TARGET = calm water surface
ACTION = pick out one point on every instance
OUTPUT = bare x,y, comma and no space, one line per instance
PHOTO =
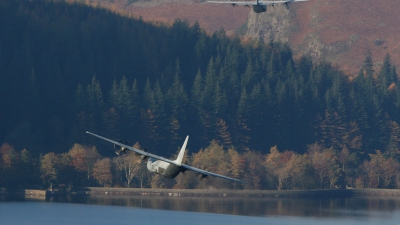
182,210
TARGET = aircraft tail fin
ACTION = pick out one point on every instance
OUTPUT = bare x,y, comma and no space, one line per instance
178,160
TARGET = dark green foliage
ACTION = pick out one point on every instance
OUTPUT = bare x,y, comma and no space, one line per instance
67,68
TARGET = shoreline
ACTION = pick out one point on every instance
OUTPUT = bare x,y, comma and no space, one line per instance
239,193
222,193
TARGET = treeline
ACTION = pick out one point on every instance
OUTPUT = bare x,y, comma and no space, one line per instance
67,68
318,168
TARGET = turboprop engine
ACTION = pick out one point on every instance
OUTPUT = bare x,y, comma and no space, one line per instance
259,8
122,150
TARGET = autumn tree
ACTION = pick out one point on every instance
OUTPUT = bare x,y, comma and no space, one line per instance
118,169
236,164
131,167
299,172
28,172
213,158
83,159
254,170
49,168
223,133
324,162
10,157
143,174
397,179
102,172
277,164
64,171
389,169
10,160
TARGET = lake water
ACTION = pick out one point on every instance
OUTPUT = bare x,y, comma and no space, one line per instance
90,210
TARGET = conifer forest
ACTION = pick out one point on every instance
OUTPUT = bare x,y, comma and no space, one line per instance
252,110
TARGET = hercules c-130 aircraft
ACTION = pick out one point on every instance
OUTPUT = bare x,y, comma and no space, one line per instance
259,6
165,167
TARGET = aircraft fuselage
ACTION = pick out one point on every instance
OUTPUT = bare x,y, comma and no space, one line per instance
163,168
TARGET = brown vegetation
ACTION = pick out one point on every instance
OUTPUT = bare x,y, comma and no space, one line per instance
358,25
319,168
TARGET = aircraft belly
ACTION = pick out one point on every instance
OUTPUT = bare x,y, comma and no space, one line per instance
172,171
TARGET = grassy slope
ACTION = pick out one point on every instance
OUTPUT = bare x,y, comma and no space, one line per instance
331,22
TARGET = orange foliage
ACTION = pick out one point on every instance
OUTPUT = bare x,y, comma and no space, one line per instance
392,86
102,171
9,155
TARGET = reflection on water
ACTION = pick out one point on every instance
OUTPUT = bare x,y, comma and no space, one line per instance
304,207
107,209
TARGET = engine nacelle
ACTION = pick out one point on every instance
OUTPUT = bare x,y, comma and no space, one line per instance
120,150
259,8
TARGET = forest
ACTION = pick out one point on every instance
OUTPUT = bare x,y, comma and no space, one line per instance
66,68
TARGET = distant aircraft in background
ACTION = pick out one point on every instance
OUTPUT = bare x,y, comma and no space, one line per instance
259,6
165,167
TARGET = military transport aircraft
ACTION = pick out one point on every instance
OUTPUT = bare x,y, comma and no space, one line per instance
259,6
165,167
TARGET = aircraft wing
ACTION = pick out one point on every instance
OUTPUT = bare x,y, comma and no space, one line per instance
255,2
134,149
164,159
234,3
210,174
279,2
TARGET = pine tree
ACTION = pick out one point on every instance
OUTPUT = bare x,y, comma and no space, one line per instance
242,120
223,133
177,98
197,97
209,85
248,76
111,123
80,99
126,99
114,94
95,99
385,77
219,101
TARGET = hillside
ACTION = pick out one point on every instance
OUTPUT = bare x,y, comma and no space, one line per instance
211,17
342,31
339,31
68,68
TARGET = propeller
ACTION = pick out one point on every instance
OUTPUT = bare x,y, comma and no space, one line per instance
143,157
120,150
201,176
